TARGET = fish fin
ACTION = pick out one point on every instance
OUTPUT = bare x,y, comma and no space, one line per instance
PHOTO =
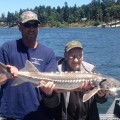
89,94
29,67
17,81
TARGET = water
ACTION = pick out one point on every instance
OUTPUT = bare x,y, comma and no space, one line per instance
101,47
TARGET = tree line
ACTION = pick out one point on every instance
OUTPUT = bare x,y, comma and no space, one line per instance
98,11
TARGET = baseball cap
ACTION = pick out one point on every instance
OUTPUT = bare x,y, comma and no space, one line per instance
73,44
27,16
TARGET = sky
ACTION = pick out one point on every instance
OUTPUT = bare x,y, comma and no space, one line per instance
16,5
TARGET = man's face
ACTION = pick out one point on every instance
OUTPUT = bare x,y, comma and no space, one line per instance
29,30
74,58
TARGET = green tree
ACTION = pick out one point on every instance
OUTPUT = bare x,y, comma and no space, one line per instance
118,2
3,18
65,12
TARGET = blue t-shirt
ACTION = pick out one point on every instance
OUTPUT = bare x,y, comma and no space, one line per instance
23,100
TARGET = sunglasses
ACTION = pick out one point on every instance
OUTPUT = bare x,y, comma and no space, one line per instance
28,25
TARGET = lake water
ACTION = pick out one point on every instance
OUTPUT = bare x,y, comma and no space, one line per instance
101,47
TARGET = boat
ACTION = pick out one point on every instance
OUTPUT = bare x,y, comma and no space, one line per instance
113,112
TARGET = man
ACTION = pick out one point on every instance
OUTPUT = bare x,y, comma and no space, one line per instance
25,101
72,106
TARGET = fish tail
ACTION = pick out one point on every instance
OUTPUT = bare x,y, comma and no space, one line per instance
4,72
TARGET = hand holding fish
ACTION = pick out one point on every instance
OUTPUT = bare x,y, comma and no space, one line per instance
47,87
10,71
87,85
102,93
13,70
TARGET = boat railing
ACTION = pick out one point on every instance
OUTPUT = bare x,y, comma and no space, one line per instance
113,112
108,117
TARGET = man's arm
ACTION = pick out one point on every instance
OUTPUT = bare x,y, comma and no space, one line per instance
50,98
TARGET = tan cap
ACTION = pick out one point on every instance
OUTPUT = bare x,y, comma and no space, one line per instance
27,16
73,44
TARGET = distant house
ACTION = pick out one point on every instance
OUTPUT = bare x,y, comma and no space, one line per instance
83,19
2,23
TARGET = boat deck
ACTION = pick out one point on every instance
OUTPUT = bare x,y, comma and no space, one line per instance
108,117
113,111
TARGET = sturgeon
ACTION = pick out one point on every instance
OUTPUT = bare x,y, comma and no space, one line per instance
63,80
